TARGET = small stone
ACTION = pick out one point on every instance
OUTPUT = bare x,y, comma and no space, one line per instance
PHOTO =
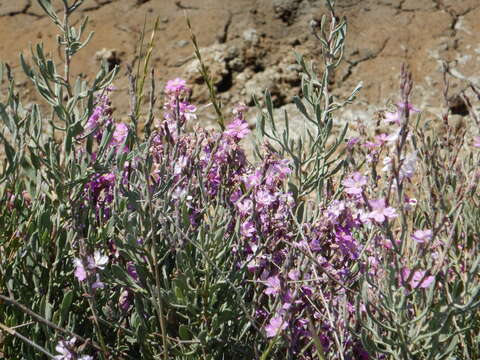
181,43
251,36
286,9
111,56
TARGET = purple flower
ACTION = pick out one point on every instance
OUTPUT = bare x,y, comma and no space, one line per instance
124,300
354,183
80,272
277,171
273,285
264,198
422,236
247,229
244,207
352,142
98,284
119,134
253,180
276,325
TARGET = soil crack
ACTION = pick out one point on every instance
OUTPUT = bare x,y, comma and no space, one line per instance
367,57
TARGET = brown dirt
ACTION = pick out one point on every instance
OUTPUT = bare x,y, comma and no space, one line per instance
249,45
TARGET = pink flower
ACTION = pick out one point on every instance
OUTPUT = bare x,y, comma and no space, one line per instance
273,285
476,141
354,183
276,324
418,279
381,139
422,236
352,142
237,129
176,86
239,109
278,170
119,134
410,107
253,180
244,207
264,198
392,118
80,272
380,211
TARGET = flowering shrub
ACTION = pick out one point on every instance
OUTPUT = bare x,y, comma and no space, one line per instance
175,245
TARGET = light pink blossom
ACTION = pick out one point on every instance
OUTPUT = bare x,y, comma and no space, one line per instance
422,236
275,326
417,279
380,211
354,183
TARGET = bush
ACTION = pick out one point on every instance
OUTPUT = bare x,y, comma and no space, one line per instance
173,244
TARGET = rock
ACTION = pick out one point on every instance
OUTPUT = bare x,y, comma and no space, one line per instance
9,7
111,56
286,9
215,59
251,37
267,79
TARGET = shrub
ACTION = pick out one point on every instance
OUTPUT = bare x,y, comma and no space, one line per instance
173,244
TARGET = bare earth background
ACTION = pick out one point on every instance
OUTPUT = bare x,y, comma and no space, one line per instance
249,45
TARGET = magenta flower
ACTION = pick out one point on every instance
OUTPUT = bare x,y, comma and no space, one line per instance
176,86
422,236
353,184
352,142
418,279
253,180
237,129
380,211
239,109
275,326
120,134
187,110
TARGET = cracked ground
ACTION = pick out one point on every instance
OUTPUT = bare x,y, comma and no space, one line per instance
249,45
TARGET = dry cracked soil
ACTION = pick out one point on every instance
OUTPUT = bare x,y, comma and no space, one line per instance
249,45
